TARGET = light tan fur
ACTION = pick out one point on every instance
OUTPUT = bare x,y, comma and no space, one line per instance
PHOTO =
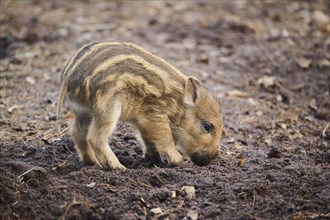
110,82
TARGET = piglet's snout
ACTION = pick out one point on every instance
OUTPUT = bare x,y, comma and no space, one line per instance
203,158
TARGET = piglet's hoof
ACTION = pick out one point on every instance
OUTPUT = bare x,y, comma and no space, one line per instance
156,160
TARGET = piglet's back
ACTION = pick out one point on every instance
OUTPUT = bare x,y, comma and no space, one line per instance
98,68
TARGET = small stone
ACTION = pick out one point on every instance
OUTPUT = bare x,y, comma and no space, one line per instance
274,153
303,62
192,214
252,101
231,140
267,81
30,80
63,32
203,59
190,191
173,194
312,104
283,126
156,211
92,184
279,98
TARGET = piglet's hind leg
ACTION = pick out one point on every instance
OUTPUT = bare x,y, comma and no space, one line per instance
102,127
80,129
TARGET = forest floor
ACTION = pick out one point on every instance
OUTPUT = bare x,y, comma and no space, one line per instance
266,61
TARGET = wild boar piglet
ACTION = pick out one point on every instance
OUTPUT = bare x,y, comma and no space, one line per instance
108,82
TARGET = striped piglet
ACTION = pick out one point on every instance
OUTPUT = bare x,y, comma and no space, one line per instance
105,83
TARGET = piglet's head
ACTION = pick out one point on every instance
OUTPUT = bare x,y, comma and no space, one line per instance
201,129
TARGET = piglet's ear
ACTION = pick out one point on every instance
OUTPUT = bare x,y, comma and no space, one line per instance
192,91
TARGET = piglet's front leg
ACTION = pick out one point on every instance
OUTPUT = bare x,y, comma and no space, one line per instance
152,155
160,141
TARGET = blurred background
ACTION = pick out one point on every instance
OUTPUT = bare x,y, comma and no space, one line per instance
266,61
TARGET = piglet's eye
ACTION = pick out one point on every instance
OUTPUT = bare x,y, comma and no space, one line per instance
207,126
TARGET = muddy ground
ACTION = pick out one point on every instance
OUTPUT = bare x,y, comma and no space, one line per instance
266,61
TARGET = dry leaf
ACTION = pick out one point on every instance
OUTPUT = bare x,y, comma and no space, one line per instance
241,161
303,62
227,152
192,214
323,63
156,211
325,130
252,101
238,146
111,188
203,59
231,140
295,135
225,59
68,116
92,184
276,34
190,191
268,141
30,80
298,216
312,104
142,200
248,120
173,194
267,81
179,204
237,93
310,118
13,108
282,125
321,19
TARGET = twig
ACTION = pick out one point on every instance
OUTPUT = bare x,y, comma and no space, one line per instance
73,203
59,187
165,212
64,130
295,195
59,164
143,184
325,130
23,174
111,188
55,156
254,198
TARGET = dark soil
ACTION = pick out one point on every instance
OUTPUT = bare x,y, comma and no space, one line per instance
266,61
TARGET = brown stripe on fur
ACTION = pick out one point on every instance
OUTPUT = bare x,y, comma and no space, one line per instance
99,56
82,66
99,59
129,48
158,61
137,65
131,67
76,57
68,71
